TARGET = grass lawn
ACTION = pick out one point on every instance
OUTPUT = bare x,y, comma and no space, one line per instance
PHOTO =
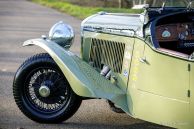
80,11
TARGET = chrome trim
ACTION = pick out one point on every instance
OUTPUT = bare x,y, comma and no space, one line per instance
118,31
44,91
62,34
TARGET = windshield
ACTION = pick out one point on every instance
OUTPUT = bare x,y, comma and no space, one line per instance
166,3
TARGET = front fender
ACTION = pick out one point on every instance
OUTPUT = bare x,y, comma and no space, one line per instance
65,60
83,79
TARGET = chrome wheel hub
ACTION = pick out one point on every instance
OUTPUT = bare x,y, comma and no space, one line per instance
44,91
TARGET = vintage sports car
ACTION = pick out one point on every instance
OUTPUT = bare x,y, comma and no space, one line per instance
143,64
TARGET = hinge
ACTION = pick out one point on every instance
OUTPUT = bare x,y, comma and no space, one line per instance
189,93
189,67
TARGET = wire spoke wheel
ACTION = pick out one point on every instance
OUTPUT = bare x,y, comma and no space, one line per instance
46,90
42,92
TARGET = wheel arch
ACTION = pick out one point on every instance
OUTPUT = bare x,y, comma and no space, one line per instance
62,58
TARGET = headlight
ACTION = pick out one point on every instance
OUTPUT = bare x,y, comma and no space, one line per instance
62,34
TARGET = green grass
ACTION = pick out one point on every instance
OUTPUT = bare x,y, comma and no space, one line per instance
80,11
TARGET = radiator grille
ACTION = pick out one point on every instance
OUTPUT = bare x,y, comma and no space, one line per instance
104,52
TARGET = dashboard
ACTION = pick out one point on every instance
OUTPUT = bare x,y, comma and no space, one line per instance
175,32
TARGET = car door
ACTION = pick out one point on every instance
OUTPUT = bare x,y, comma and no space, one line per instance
160,89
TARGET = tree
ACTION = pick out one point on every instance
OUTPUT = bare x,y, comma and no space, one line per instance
124,3
120,3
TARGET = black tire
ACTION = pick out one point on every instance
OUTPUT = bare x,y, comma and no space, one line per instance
58,106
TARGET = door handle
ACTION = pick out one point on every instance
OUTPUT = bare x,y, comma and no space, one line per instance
143,60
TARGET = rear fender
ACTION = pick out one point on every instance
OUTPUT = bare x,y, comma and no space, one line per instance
83,79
